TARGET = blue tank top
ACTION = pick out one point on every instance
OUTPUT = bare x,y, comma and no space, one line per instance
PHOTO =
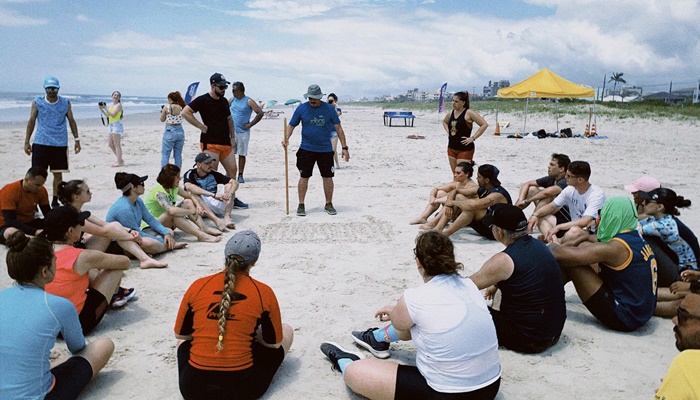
633,283
533,296
240,112
51,122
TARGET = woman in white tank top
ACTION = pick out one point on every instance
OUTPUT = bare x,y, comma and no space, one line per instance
174,135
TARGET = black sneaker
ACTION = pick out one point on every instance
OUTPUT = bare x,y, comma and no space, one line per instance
334,353
366,340
330,209
301,211
122,296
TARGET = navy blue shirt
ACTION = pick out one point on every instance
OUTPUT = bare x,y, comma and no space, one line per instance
317,123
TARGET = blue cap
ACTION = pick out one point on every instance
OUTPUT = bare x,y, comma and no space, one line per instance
51,81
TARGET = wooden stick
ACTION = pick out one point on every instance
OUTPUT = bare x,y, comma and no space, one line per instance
286,164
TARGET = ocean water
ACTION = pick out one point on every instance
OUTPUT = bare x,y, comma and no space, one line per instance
15,106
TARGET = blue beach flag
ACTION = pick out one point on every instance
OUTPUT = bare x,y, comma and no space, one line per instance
441,101
191,92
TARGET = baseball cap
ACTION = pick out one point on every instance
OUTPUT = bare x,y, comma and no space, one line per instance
59,219
660,195
645,183
505,216
203,158
246,244
51,81
314,92
218,79
491,173
132,181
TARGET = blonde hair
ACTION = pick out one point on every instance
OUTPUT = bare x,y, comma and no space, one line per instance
234,266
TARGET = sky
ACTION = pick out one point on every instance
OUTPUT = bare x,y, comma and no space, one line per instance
351,47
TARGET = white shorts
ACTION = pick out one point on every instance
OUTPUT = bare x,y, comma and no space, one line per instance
242,139
217,206
116,127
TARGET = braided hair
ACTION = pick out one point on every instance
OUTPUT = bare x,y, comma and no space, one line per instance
234,266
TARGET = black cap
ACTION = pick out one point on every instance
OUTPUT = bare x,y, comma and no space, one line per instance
203,158
491,173
505,216
59,219
218,79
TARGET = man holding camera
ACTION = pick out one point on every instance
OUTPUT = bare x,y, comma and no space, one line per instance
50,147
217,135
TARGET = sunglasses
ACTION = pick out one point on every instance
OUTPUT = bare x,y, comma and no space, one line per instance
331,101
222,87
684,315
52,89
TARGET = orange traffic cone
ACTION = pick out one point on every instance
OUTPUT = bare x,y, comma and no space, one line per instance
592,131
586,132
498,129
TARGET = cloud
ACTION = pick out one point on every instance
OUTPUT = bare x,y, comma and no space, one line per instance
82,18
11,18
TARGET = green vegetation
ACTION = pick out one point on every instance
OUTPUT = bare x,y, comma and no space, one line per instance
638,109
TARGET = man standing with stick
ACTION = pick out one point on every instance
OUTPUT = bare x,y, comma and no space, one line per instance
318,120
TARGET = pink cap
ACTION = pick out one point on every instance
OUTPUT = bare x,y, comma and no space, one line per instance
645,183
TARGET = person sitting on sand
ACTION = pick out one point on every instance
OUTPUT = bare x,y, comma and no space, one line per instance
456,344
18,203
103,235
129,210
31,319
583,200
203,182
471,211
88,278
623,294
532,308
462,182
161,199
233,336
681,380
666,258
551,185
661,205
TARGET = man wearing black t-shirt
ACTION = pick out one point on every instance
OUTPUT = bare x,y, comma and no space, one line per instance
217,135
551,185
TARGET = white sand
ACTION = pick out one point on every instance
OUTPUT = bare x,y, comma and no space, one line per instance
331,273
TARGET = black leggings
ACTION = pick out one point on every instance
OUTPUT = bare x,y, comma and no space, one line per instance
250,383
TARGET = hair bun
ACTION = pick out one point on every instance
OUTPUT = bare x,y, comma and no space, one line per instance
682,202
17,241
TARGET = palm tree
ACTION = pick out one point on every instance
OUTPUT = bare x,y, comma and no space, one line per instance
617,78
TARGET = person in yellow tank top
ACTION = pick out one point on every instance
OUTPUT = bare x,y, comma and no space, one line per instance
116,129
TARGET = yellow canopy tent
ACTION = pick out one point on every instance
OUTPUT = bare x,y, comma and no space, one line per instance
544,84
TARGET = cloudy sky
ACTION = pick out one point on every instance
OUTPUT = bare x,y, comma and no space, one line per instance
351,47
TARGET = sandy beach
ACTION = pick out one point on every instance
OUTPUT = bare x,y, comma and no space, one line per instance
331,273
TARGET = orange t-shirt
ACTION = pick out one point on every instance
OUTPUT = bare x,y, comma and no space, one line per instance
253,303
68,283
14,198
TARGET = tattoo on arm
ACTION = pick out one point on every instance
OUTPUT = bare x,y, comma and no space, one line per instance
163,200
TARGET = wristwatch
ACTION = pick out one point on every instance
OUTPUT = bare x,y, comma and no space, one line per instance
344,147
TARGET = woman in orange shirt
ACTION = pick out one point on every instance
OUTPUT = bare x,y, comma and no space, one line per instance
233,339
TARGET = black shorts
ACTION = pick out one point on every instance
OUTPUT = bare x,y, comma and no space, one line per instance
411,384
250,383
306,160
37,223
510,338
71,377
93,310
50,156
602,306
482,229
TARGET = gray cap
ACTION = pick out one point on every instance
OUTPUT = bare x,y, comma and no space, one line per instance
246,244
314,92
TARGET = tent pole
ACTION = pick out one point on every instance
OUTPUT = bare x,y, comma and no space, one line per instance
527,105
557,102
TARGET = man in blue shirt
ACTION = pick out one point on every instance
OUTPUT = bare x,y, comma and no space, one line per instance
242,108
50,148
318,120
